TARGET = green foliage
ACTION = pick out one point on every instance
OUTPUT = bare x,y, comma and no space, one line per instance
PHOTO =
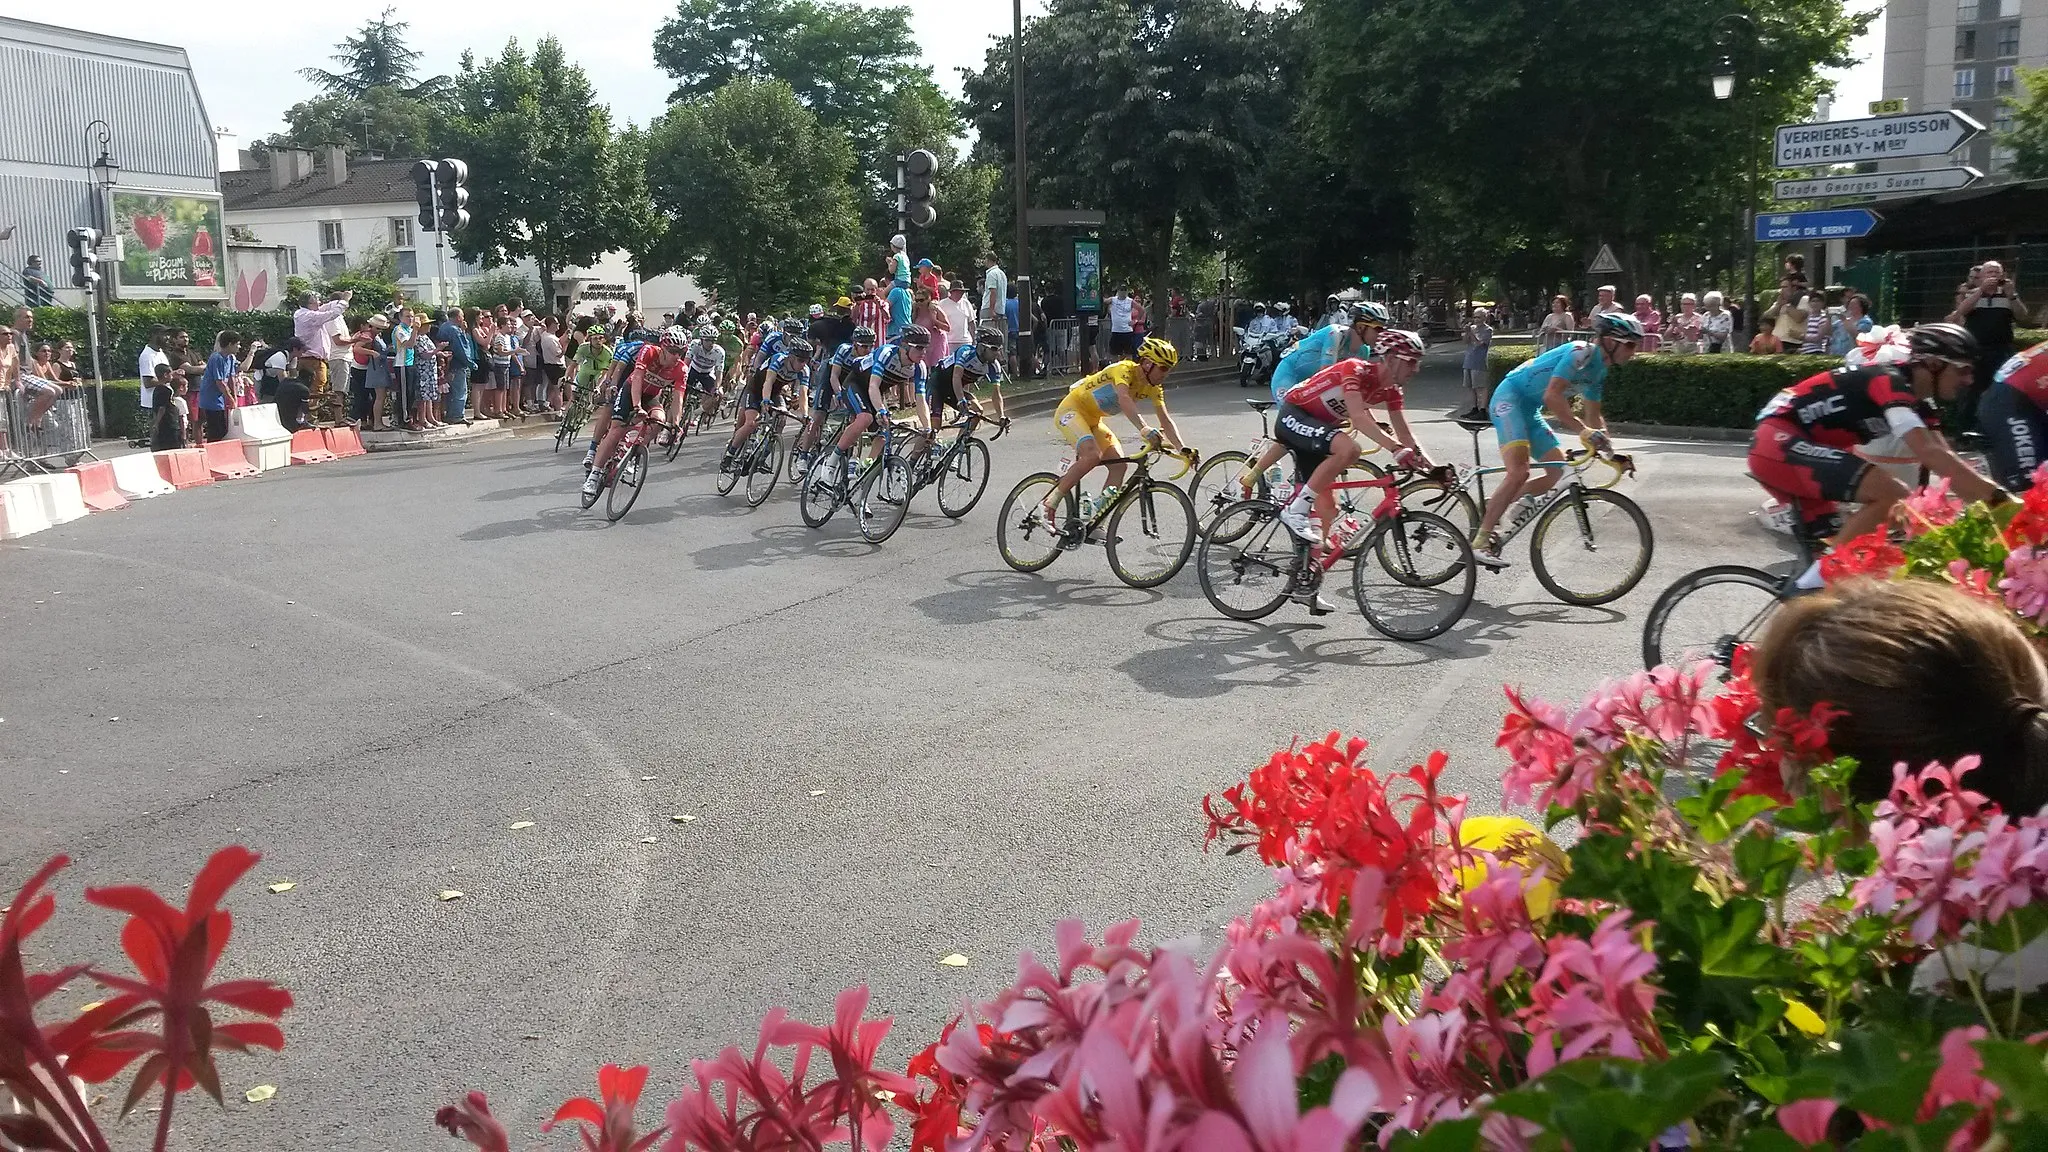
373,276
383,118
842,61
376,57
2029,136
549,180
501,286
1616,1105
1718,391
758,194
127,329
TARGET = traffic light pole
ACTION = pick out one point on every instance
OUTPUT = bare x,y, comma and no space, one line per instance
99,378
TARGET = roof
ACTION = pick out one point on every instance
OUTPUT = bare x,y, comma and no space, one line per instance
369,182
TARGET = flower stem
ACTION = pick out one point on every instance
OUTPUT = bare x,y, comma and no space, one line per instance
163,1119
2013,1027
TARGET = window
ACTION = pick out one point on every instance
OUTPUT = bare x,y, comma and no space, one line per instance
2002,79
401,231
1966,83
1966,44
333,261
2008,9
1966,11
2001,120
2001,160
2009,40
291,261
330,232
408,264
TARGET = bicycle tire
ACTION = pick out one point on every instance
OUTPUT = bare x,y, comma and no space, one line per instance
1582,527
1247,560
1014,536
563,432
589,496
969,467
1214,487
1429,566
819,498
729,478
795,462
1452,502
1659,647
631,477
675,439
883,499
1157,503
764,467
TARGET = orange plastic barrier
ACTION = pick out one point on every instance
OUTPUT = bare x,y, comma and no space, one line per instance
184,467
309,447
226,460
96,484
343,441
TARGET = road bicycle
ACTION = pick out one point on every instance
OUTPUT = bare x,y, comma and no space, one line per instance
1144,554
1412,572
580,407
959,467
1710,612
798,460
1215,485
878,492
1588,545
759,459
622,476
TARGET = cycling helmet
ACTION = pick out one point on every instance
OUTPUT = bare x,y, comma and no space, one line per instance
863,335
914,336
1398,342
706,332
792,327
1372,312
727,328
989,342
1157,351
1333,300
674,337
1258,309
1282,308
1619,325
816,311
795,351
1950,342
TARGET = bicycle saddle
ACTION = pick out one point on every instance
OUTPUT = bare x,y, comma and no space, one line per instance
1260,405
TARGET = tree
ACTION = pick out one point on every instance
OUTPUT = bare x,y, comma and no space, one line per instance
377,57
758,196
841,60
1148,109
2028,138
920,116
549,180
381,119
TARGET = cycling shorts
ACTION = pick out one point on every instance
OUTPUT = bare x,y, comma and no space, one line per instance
853,393
2015,435
703,381
622,399
758,392
1792,467
943,396
1516,421
1306,436
1078,422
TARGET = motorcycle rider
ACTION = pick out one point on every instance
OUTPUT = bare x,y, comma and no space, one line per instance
1262,322
1334,312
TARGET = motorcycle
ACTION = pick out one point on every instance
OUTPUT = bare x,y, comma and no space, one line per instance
1257,356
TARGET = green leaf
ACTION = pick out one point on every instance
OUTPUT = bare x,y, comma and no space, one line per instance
1443,1136
1770,1140
1766,863
2018,1071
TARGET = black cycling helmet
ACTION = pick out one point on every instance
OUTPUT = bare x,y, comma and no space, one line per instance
790,364
1943,341
914,336
792,327
863,335
798,347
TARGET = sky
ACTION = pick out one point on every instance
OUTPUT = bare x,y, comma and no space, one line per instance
248,61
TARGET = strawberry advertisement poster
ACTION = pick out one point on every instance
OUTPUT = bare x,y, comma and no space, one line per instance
172,245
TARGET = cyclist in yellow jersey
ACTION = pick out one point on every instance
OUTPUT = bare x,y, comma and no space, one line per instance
1083,416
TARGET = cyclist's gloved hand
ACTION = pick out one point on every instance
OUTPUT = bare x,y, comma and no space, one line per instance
1153,437
1410,458
1598,442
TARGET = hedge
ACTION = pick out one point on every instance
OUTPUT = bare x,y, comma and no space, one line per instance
1721,390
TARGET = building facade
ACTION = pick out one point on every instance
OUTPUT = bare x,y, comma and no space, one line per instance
60,82
1966,55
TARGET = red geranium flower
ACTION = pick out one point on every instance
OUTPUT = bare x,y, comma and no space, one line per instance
610,1124
1871,554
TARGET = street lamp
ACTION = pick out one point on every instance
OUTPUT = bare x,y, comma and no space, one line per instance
104,171
1725,38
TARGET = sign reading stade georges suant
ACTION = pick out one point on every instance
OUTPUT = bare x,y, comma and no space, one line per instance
1875,138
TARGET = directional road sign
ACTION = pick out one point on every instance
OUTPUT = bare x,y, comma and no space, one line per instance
1834,224
1877,184
1875,138
1065,218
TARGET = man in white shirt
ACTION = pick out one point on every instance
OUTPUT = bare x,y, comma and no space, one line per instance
959,312
152,355
995,287
314,324
1123,338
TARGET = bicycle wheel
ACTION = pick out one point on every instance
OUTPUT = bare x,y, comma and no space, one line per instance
1452,503
729,478
1164,521
820,497
1415,577
964,480
883,498
797,463
1214,487
1026,541
610,473
1707,614
1247,560
764,466
564,432
1591,547
627,484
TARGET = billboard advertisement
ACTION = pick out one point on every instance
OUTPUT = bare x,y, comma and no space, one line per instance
172,245
1087,276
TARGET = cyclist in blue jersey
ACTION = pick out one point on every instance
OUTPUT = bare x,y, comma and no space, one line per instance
961,368
789,366
623,355
1578,368
837,372
1326,346
866,389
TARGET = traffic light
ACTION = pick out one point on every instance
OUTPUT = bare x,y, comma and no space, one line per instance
423,191
1365,279
453,175
84,272
920,185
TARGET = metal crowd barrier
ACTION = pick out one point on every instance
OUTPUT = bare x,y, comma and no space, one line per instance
1062,345
60,439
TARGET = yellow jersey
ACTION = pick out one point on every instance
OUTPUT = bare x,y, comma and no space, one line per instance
1095,395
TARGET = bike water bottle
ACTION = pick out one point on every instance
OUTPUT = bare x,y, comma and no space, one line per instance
1347,526
1087,505
1275,477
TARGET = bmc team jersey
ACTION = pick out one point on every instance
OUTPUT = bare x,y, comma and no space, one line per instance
2027,374
1578,362
1323,395
1848,406
967,357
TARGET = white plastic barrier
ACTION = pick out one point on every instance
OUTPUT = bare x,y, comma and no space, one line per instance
264,440
136,476
21,510
63,500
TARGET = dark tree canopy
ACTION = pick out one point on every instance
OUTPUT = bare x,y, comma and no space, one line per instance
841,60
376,57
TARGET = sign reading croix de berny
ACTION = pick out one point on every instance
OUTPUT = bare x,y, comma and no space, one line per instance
1830,224
1876,138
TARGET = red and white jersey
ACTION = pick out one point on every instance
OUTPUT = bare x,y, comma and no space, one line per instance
2028,372
1328,394
677,372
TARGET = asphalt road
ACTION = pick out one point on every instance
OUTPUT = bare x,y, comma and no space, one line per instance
370,670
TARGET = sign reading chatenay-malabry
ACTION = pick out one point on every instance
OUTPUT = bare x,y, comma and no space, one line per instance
1875,138
1877,184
